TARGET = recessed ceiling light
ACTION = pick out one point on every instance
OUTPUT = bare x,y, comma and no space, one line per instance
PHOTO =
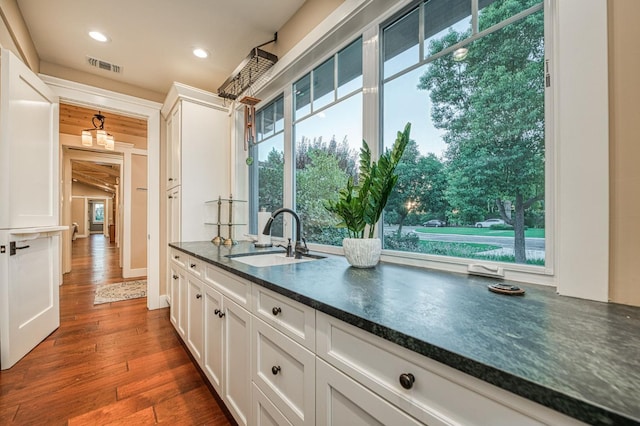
98,36
200,53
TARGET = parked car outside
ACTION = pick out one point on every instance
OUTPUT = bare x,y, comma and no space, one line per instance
487,223
434,223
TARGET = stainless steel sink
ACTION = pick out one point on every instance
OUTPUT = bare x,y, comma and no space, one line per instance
270,259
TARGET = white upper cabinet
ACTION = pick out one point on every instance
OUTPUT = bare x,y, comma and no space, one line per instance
198,159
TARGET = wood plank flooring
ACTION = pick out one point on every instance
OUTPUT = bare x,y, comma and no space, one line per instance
111,364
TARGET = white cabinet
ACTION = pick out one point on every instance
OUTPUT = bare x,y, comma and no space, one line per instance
213,338
236,345
227,347
173,147
178,279
198,150
342,401
173,215
195,289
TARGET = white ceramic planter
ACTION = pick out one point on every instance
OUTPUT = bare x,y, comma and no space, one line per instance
362,252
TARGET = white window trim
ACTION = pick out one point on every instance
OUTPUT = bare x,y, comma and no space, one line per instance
575,176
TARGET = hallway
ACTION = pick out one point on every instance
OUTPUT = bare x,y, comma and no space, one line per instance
116,363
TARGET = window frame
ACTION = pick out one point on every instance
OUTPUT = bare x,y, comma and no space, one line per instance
538,274
253,168
571,22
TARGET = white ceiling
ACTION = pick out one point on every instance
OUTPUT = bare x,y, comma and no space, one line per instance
152,40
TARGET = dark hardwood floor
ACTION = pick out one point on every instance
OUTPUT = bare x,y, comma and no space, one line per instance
116,363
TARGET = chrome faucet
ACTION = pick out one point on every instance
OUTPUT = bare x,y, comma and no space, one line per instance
301,244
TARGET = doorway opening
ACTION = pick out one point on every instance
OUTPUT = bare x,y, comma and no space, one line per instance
107,188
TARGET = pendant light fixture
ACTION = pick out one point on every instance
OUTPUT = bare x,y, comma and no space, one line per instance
103,138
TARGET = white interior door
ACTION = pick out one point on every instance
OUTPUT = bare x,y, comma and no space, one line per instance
29,210
29,148
30,286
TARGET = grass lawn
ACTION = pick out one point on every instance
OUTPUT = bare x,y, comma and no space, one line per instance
454,230
470,251
445,248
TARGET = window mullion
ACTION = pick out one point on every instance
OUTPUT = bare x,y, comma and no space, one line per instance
474,17
370,84
289,160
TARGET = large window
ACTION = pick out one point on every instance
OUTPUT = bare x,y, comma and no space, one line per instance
472,180
470,77
267,159
328,135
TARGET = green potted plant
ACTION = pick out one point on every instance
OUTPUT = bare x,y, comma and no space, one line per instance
359,207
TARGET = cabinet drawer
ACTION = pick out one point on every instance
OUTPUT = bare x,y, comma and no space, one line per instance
195,266
342,401
235,288
285,372
294,319
437,394
264,412
178,257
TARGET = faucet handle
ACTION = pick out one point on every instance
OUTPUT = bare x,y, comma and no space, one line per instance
302,248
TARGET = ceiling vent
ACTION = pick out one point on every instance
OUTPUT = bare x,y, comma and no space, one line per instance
104,65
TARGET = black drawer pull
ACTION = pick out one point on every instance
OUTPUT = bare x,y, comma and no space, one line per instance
407,380
193,265
176,257
175,277
275,369
198,296
220,314
276,310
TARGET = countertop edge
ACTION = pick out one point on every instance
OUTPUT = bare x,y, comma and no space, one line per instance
582,410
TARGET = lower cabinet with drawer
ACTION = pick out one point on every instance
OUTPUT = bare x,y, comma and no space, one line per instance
431,392
275,361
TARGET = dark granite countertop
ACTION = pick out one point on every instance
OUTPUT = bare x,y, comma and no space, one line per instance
579,357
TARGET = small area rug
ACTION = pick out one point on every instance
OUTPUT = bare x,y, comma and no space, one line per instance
107,293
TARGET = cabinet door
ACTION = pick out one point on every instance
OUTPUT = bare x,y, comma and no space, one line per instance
342,401
177,278
174,147
213,329
194,317
173,215
237,349
182,310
